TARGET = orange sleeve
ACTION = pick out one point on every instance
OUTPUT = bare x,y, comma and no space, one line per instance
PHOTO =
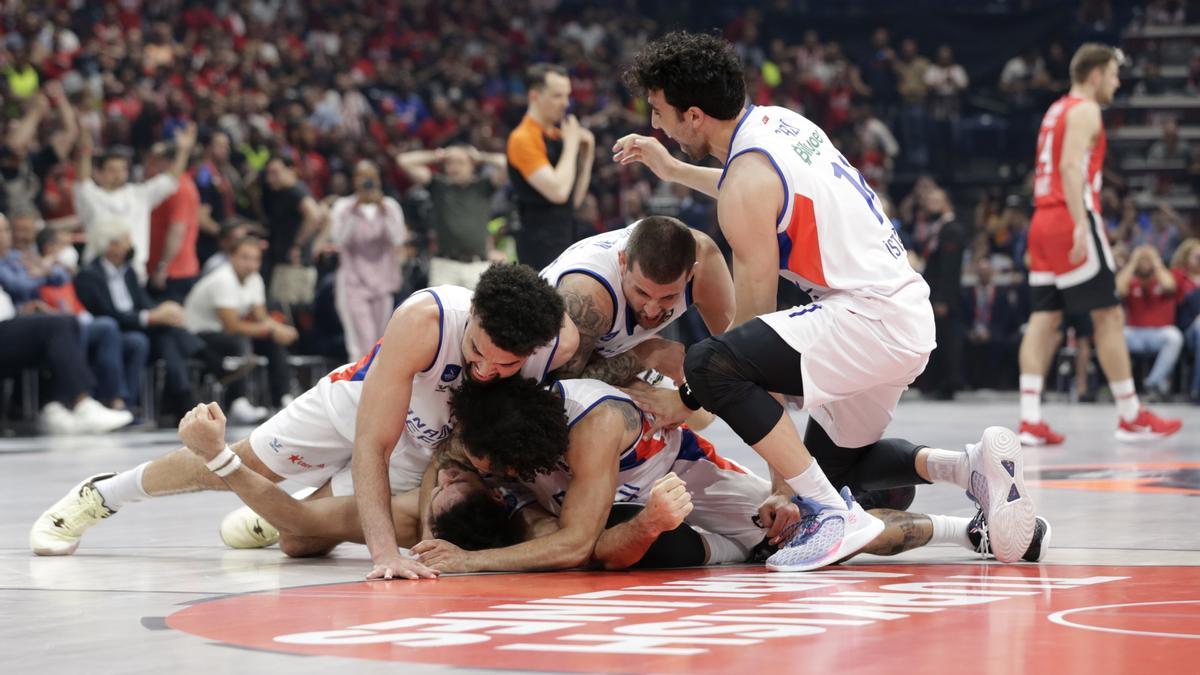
527,150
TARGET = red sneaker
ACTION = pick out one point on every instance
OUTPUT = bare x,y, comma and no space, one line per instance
1039,434
1147,426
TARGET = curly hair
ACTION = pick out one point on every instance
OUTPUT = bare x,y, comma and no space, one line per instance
691,69
518,310
519,427
476,523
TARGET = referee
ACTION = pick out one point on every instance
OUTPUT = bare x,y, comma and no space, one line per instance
550,166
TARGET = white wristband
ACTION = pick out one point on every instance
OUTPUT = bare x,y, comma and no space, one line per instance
229,468
221,459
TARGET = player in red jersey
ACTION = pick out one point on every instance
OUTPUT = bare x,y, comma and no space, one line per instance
1071,264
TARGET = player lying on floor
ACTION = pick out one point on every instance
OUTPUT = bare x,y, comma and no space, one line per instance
678,501
344,436
465,510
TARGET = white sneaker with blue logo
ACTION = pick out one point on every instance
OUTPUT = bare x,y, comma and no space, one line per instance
825,535
997,484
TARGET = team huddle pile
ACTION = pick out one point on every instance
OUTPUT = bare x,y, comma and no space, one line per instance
544,428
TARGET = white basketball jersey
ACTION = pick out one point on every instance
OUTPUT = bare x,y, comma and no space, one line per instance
428,421
649,458
834,239
598,257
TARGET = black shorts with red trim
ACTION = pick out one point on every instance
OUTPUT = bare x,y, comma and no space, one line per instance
1055,283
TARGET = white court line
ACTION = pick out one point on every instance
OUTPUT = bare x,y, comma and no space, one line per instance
1060,618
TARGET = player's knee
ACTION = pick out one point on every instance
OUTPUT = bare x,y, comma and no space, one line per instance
1173,337
706,368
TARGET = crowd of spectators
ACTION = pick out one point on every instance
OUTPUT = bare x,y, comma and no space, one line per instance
345,155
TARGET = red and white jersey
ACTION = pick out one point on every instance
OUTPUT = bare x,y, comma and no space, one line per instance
599,257
834,239
428,420
649,458
1047,183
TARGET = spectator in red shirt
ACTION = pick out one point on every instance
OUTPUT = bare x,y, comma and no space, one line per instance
174,226
1152,293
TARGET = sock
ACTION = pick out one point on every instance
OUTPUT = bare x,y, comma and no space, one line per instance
123,488
1031,398
948,466
950,530
722,549
1127,399
812,484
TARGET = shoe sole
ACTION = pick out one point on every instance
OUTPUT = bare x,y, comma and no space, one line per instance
1007,505
233,529
70,549
850,545
1134,436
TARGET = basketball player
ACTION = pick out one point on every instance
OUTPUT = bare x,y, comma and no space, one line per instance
678,502
513,323
790,205
622,288
1071,265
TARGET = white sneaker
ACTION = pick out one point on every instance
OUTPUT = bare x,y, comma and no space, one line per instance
92,416
997,484
58,530
57,420
243,528
244,412
824,535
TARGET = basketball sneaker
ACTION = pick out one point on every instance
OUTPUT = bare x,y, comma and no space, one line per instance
1146,426
243,528
824,535
1039,434
996,483
58,530
977,532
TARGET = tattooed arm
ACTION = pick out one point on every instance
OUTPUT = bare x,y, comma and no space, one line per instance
591,308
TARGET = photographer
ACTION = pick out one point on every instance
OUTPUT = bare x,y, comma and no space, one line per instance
369,232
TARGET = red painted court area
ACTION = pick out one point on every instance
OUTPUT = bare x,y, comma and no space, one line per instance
988,618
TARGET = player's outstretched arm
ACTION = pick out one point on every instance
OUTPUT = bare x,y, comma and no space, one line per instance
652,153
593,455
410,345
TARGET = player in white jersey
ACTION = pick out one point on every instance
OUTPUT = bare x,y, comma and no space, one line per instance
346,426
790,205
677,502
622,288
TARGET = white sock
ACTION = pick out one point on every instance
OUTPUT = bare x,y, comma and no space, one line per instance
950,530
722,549
948,466
123,488
812,484
1031,398
1127,399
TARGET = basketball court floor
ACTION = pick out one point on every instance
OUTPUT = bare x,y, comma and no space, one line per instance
153,590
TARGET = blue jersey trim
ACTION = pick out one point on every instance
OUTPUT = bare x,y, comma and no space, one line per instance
361,374
787,193
612,295
687,295
602,399
441,328
729,151
550,361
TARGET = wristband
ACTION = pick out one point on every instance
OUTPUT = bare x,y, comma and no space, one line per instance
233,465
223,457
688,398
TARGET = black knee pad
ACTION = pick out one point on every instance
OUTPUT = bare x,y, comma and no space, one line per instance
698,367
681,547
897,499
715,375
